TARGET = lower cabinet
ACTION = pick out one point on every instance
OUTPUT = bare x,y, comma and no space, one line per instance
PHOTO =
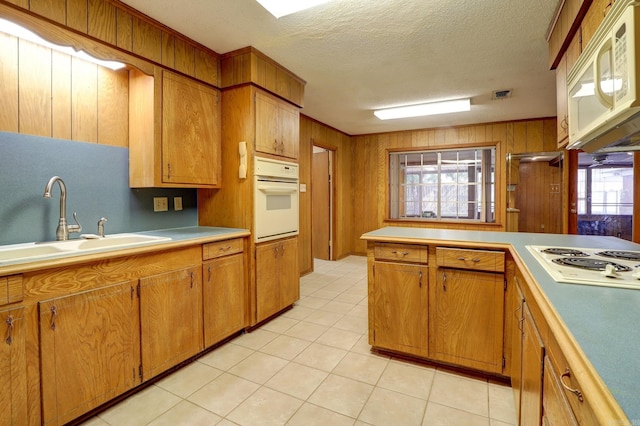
224,297
170,319
277,279
88,343
556,408
516,322
13,390
532,370
400,307
467,314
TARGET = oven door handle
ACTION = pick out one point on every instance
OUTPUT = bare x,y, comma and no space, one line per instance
270,189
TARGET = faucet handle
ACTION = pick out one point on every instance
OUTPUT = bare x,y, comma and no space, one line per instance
77,227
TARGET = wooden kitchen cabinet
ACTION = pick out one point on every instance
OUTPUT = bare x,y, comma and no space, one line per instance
224,290
277,282
532,371
170,319
88,344
400,307
13,391
516,319
466,315
277,126
555,407
175,131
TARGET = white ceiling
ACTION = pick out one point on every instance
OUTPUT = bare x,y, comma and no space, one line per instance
358,55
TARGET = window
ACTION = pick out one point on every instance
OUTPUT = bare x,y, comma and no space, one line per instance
605,191
456,184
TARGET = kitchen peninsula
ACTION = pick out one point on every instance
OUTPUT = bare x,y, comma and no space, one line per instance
587,334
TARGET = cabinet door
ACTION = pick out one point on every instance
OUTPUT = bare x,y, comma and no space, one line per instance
400,303
288,271
289,124
170,319
531,387
517,320
87,349
468,314
13,392
562,125
191,131
267,125
267,294
224,294
277,277
556,409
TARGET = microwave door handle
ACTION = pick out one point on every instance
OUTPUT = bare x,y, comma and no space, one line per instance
606,100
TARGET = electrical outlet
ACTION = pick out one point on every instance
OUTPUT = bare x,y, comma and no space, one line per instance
160,204
177,203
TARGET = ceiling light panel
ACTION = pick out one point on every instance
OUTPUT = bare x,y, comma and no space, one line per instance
418,110
280,8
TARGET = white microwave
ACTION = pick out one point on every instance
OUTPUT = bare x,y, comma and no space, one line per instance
603,92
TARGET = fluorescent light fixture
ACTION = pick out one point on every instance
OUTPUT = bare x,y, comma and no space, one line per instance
608,86
280,8
419,110
16,30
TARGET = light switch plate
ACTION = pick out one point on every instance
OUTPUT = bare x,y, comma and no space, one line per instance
177,203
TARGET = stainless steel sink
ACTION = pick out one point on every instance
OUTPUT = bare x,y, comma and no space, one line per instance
26,252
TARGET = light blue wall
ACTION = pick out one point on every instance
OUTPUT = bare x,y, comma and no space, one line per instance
97,180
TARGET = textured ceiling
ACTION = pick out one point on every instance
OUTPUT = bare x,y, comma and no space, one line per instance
358,55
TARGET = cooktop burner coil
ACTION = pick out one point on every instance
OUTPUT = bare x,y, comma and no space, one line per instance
559,251
590,264
617,254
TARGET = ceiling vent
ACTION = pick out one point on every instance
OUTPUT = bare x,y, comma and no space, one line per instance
497,95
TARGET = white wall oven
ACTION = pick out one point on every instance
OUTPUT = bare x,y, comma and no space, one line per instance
276,200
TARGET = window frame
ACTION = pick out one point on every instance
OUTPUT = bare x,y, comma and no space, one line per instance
498,196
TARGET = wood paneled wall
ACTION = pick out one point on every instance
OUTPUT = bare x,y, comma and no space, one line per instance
51,94
315,133
368,179
116,24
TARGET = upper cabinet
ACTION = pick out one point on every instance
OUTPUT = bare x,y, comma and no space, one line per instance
277,126
175,131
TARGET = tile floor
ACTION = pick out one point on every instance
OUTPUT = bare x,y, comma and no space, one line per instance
313,366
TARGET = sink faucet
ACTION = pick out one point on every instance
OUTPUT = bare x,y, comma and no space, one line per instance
63,230
101,227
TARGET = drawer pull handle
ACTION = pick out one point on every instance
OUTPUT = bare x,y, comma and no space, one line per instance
420,279
444,281
576,392
474,260
227,248
403,253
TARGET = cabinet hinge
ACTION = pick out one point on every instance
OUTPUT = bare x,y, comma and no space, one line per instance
138,289
140,371
374,270
505,284
504,362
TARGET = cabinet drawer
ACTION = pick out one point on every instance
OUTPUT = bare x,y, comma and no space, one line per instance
11,289
222,248
404,252
566,376
478,260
